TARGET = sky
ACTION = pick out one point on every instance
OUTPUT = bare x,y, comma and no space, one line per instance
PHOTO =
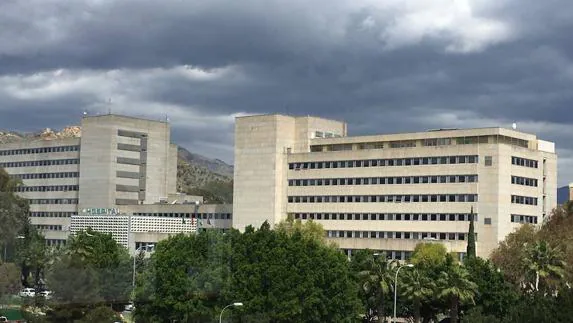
384,66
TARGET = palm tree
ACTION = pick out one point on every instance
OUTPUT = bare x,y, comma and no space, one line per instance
543,263
377,281
417,288
456,287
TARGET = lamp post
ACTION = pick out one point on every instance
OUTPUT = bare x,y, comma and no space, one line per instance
396,287
197,228
234,304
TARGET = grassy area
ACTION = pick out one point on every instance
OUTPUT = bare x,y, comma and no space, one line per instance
11,301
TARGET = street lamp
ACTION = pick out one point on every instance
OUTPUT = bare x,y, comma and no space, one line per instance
396,287
234,304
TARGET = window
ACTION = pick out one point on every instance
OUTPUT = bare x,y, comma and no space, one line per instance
488,161
524,181
487,221
524,162
531,219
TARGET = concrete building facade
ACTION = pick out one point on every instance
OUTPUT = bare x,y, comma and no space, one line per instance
565,194
119,168
389,192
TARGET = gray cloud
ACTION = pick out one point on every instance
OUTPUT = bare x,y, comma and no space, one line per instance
381,65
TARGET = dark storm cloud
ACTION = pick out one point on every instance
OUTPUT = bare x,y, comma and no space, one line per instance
380,65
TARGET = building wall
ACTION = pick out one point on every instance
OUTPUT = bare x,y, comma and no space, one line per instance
488,154
133,225
117,160
172,170
125,161
262,144
52,187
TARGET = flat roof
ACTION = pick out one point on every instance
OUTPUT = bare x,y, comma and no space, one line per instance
287,116
445,133
121,116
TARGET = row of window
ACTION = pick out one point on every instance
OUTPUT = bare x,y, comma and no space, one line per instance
52,227
52,214
46,175
517,218
55,242
50,188
40,150
53,201
33,163
390,254
472,159
524,181
386,216
517,199
384,198
215,216
437,142
397,235
144,246
325,134
519,161
397,254
384,180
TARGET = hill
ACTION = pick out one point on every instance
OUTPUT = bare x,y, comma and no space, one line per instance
200,175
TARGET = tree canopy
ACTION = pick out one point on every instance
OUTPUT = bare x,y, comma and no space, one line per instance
13,212
280,276
92,270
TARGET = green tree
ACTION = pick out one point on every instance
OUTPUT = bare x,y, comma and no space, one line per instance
510,255
456,288
185,279
13,213
478,315
101,315
557,230
92,270
9,279
279,277
471,248
33,256
418,288
544,264
377,283
495,296
291,278
429,255
309,229
76,288
431,259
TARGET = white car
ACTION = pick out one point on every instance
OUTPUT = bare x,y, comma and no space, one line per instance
129,307
27,292
46,294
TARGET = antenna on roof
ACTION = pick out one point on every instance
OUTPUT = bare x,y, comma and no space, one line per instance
514,126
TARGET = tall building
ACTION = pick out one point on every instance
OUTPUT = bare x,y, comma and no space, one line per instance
565,194
389,192
118,176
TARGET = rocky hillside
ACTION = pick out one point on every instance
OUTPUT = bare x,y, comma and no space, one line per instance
199,175
196,174
216,166
46,134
